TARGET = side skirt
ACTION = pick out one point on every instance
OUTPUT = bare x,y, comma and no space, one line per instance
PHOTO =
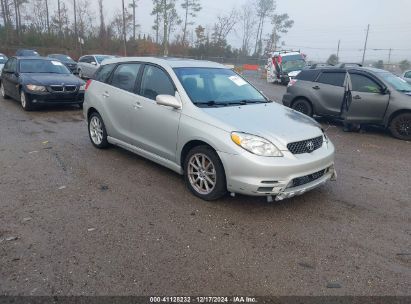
153,157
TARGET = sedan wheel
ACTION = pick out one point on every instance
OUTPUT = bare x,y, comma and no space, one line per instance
204,173
25,102
97,131
400,126
80,74
3,91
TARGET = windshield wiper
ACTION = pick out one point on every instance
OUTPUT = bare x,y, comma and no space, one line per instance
245,101
211,103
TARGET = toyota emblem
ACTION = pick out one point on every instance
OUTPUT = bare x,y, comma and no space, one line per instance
310,146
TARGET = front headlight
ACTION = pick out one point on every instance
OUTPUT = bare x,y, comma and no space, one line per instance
256,145
83,87
36,88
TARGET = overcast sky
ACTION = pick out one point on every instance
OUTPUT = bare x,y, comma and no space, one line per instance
319,24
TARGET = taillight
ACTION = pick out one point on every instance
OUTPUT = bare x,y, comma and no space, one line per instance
88,83
292,82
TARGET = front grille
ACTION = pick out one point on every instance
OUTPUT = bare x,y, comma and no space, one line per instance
299,181
305,146
61,89
71,88
57,88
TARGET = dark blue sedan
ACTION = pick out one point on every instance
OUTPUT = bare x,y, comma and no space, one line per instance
37,80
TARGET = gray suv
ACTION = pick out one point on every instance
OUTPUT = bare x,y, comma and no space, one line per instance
356,95
204,121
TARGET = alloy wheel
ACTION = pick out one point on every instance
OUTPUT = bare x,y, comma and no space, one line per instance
403,126
23,100
202,173
96,130
3,92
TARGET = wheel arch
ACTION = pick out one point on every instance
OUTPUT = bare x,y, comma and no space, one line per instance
90,111
395,114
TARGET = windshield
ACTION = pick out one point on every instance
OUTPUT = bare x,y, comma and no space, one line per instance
63,58
100,59
293,65
217,87
28,53
398,83
3,59
42,66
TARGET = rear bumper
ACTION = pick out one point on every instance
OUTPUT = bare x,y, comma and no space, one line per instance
252,175
55,98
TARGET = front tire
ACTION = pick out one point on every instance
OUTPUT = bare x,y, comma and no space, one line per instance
80,74
204,174
25,102
97,131
400,126
3,91
303,106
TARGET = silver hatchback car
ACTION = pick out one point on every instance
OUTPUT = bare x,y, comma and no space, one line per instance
204,121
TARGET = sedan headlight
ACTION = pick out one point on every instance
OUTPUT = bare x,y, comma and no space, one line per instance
36,88
256,145
83,87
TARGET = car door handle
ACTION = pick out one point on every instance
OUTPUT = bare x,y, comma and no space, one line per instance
357,97
137,106
106,95
316,88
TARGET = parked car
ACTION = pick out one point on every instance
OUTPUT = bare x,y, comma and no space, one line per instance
282,66
88,65
67,60
3,59
36,80
204,121
407,76
27,53
374,97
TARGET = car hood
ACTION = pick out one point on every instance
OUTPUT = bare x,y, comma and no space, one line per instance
271,121
51,79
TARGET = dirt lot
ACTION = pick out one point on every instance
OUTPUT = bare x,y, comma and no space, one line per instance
78,221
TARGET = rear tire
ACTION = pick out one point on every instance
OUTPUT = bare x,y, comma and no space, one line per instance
97,131
400,126
204,173
3,91
80,74
303,106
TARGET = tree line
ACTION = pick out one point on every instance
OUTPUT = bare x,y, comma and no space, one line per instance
77,27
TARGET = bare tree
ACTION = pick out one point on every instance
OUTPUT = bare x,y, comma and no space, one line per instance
248,21
191,8
281,24
265,8
157,9
124,28
223,27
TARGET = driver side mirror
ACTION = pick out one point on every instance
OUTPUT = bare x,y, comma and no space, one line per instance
168,101
94,63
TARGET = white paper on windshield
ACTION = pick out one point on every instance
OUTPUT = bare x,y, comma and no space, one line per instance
238,80
57,63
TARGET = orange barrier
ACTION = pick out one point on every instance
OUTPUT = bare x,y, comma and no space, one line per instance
250,67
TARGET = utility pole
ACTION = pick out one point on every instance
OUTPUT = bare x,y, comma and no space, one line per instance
75,25
338,51
124,30
365,45
389,56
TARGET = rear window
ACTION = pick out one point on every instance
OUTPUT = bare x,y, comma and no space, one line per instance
332,78
308,75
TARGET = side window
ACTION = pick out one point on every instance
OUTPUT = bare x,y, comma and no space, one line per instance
125,76
408,75
13,65
332,78
361,83
92,59
156,82
104,72
307,75
82,59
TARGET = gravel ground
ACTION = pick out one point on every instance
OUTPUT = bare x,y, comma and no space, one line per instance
75,220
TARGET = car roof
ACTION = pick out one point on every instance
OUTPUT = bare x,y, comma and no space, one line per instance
337,69
169,61
34,58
